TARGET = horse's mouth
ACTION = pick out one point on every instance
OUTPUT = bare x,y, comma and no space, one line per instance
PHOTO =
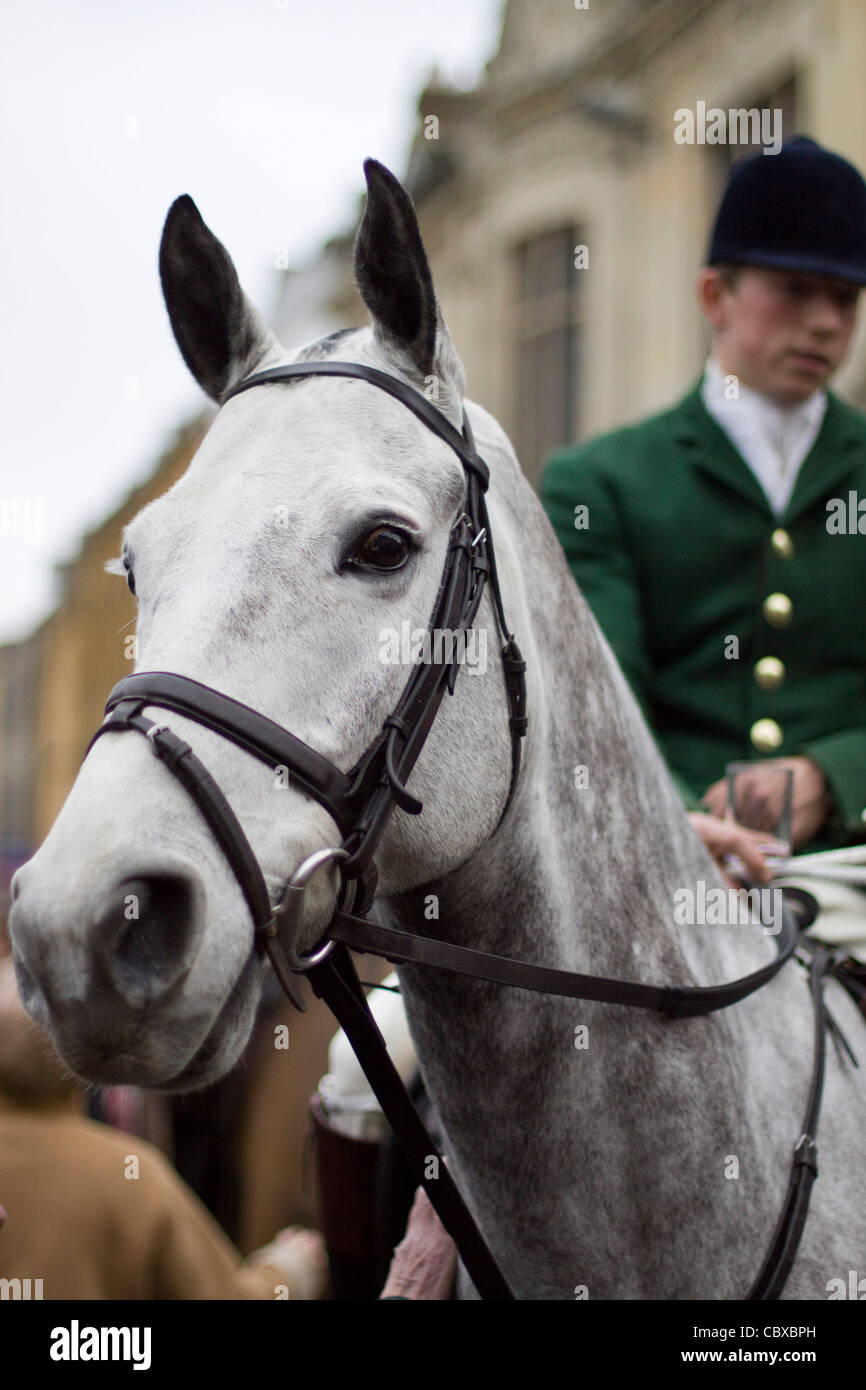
148,1067
216,1056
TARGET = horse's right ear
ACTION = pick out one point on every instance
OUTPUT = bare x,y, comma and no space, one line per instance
219,333
394,280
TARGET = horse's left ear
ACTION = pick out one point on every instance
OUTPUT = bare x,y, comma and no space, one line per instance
218,331
395,283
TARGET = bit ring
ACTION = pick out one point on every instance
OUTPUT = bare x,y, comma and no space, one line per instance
292,901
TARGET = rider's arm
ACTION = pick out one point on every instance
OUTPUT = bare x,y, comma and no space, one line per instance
425,1261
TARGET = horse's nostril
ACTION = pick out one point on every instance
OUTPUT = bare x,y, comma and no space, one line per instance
148,935
29,992
17,881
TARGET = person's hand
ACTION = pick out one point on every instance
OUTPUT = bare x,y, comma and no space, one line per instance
759,795
302,1259
425,1261
723,837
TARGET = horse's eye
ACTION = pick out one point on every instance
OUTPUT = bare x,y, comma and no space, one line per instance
130,580
384,549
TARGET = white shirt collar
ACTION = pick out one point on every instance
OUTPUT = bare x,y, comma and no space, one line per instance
773,440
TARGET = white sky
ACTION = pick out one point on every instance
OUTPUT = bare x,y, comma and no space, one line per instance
262,110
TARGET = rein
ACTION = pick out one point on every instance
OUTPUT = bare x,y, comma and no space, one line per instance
361,802
401,948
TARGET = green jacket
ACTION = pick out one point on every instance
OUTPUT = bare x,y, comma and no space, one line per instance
677,552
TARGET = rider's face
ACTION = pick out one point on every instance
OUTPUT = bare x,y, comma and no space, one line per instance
783,333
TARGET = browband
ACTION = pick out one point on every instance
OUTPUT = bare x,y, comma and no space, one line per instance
420,405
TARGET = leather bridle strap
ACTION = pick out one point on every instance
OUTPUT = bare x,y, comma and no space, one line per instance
336,982
381,774
400,948
253,732
197,781
403,948
431,416
804,1169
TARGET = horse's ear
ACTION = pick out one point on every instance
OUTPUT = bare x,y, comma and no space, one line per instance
219,333
395,283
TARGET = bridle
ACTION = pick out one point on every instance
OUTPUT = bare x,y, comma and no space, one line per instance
361,802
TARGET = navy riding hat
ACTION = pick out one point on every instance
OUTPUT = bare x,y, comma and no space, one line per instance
801,209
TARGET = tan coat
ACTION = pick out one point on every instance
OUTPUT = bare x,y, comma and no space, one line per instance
78,1221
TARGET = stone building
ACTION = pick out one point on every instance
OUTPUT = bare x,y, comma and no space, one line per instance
569,142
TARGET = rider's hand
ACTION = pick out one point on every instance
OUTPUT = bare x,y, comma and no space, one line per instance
425,1261
723,837
759,797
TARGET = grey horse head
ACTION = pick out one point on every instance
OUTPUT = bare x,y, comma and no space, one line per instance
263,573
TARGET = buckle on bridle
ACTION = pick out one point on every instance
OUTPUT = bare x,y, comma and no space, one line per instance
806,1153
287,913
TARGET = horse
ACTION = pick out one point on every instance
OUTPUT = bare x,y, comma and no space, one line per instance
605,1152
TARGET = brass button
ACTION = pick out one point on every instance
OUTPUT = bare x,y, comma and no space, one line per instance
777,609
769,672
782,544
766,735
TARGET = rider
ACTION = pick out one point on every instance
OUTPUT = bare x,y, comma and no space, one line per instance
723,551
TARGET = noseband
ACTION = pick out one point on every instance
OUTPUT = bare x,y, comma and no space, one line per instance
360,801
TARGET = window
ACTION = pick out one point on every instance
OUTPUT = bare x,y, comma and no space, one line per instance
783,98
549,343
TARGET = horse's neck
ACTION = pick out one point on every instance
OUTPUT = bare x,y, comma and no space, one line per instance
581,878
